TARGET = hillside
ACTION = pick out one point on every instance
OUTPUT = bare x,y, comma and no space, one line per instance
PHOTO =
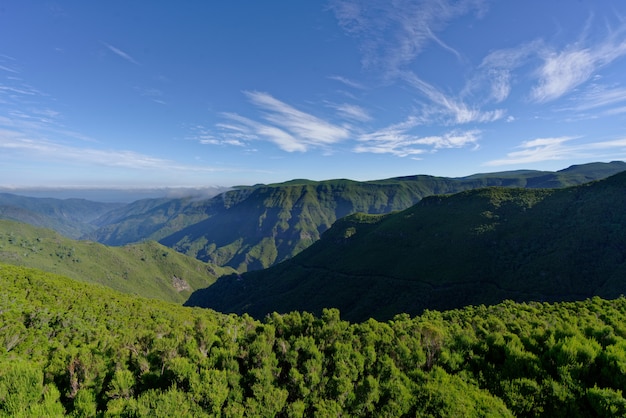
476,247
70,217
78,349
148,269
254,227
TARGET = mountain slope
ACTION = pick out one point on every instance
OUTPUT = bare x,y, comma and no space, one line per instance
476,247
148,269
70,217
255,227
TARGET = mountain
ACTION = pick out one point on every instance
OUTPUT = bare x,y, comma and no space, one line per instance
77,349
477,247
70,217
148,269
251,228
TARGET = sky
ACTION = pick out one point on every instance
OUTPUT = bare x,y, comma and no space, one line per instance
138,94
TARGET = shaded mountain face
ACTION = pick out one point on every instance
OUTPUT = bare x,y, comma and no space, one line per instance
476,247
255,227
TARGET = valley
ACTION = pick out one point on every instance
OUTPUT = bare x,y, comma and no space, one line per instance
498,300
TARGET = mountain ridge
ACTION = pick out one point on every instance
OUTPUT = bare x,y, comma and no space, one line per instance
479,246
271,223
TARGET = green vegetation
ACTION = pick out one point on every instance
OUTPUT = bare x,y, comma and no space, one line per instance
78,349
148,269
476,247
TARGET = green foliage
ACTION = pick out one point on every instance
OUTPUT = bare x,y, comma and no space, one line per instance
476,247
78,349
147,269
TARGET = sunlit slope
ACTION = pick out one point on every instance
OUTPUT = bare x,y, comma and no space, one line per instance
148,269
475,247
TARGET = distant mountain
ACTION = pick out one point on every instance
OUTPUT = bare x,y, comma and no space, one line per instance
254,227
148,269
70,217
476,247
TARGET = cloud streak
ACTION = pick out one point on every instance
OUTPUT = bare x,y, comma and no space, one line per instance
560,148
284,125
15,142
396,140
451,110
352,112
392,34
598,96
120,53
562,71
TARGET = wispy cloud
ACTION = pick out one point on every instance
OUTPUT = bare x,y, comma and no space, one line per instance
120,53
294,130
347,82
351,111
289,128
7,69
393,33
497,70
597,96
152,93
12,142
560,148
562,71
399,141
450,109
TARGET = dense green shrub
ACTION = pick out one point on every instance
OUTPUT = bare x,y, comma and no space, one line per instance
70,348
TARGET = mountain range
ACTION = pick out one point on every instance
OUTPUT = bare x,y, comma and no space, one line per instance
255,227
480,246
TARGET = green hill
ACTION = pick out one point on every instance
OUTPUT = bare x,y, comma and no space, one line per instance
476,247
254,227
148,269
78,349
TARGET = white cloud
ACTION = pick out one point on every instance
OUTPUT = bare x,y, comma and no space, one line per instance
563,71
289,128
393,33
496,70
560,148
397,140
354,112
598,96
120,53
453,110
347,82
14,143
307,128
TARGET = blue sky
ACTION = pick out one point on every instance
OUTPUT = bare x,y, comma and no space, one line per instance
197,93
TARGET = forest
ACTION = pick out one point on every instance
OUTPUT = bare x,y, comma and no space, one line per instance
78,349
